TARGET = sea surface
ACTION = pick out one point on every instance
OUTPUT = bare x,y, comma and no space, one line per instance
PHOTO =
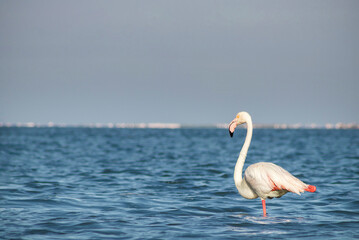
88,183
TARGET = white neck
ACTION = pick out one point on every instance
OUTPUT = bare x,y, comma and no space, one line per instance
243,154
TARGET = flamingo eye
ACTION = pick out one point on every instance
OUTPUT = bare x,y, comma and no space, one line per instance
237,116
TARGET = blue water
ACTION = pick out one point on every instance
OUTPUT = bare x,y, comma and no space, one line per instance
83,183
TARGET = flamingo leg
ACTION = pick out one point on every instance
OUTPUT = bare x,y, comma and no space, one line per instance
264,207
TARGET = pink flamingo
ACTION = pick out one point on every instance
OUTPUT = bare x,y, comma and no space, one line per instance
263,179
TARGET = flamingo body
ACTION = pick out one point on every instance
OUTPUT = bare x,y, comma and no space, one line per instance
268,180
263,179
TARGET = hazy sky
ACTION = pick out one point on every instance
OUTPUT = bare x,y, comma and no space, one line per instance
179,61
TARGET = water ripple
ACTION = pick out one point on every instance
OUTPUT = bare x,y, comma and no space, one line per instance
69,183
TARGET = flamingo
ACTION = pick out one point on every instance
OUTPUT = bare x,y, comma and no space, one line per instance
263,179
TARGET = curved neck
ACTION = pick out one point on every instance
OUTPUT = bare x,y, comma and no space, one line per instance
243,154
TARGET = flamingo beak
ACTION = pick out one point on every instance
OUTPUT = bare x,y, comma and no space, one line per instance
231,127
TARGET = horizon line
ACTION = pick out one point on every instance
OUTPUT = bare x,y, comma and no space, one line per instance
179,125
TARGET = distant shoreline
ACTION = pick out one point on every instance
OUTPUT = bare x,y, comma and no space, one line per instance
178,126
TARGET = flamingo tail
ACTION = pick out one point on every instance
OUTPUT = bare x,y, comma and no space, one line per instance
311,188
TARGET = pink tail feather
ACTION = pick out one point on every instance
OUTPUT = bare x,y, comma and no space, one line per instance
311,188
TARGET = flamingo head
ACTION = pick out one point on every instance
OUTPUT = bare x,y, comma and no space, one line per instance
241,118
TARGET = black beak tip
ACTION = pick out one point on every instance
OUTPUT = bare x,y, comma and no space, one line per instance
230,133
